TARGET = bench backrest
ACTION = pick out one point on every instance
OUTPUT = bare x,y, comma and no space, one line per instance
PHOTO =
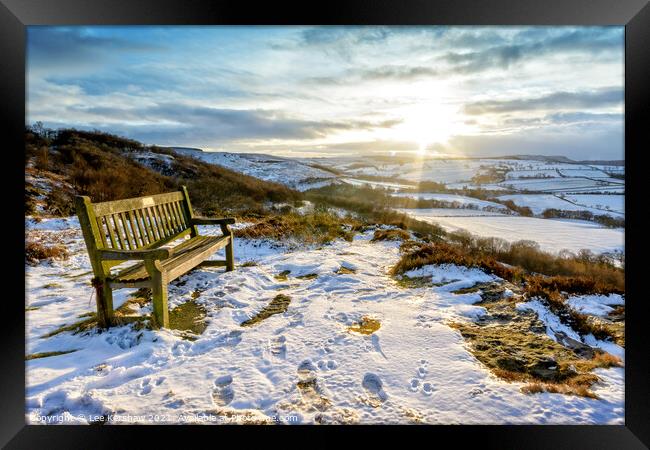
133,223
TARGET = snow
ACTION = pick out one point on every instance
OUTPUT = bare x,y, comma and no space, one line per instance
414,367
454,212
595,305
552,235
266,167
614,203
374,184
568,185
554,325
460,199
596,204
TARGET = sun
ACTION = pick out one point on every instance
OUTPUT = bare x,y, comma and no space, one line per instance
428,124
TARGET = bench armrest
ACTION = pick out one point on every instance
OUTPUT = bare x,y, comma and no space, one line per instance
118,255
223,222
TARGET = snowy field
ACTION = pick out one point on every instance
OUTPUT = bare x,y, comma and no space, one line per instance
375,184
290,172
301,366
462,200
612,205
552,235
568,185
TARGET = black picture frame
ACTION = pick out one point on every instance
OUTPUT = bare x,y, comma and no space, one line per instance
15,15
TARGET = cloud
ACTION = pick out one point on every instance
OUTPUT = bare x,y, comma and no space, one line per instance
531,44
585,143
398,72
57,47
610,96
313,86
501,57
328,35
171,122
566,118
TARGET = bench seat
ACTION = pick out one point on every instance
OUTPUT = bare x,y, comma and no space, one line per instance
186,255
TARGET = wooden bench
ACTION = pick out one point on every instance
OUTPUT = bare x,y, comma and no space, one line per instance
137,229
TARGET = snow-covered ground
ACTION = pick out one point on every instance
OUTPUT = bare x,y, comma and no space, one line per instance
462,200
301,366
554,325
290,172
596,204
614,203
552,235
568,185
374,184
596,305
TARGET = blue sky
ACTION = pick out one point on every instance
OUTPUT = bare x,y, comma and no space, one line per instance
462,91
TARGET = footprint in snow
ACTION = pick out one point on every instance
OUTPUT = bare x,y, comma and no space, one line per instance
146,386
422,370
374,389
223,393
427,388
375,344
327,364
279,347
310,389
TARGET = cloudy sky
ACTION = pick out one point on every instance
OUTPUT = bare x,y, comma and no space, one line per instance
472,91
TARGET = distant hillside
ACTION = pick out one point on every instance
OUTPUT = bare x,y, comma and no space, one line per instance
290,172
61,164
564,159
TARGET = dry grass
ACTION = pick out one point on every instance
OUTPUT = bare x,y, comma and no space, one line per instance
395,234
36,252
445,253
99,165
587,275
282,276
514,354
277,306
345,270
47,354
365,326
189,317
571,274
316,228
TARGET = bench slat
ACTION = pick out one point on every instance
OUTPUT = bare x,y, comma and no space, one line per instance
186,256
102,231
129,204
195,257
147,232
170,216
120,238
152,224
128,234
136,228
159,221
181,214
141,226
111,234
177,216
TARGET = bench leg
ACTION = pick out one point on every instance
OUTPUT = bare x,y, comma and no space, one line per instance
159,291
104,298
230,255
